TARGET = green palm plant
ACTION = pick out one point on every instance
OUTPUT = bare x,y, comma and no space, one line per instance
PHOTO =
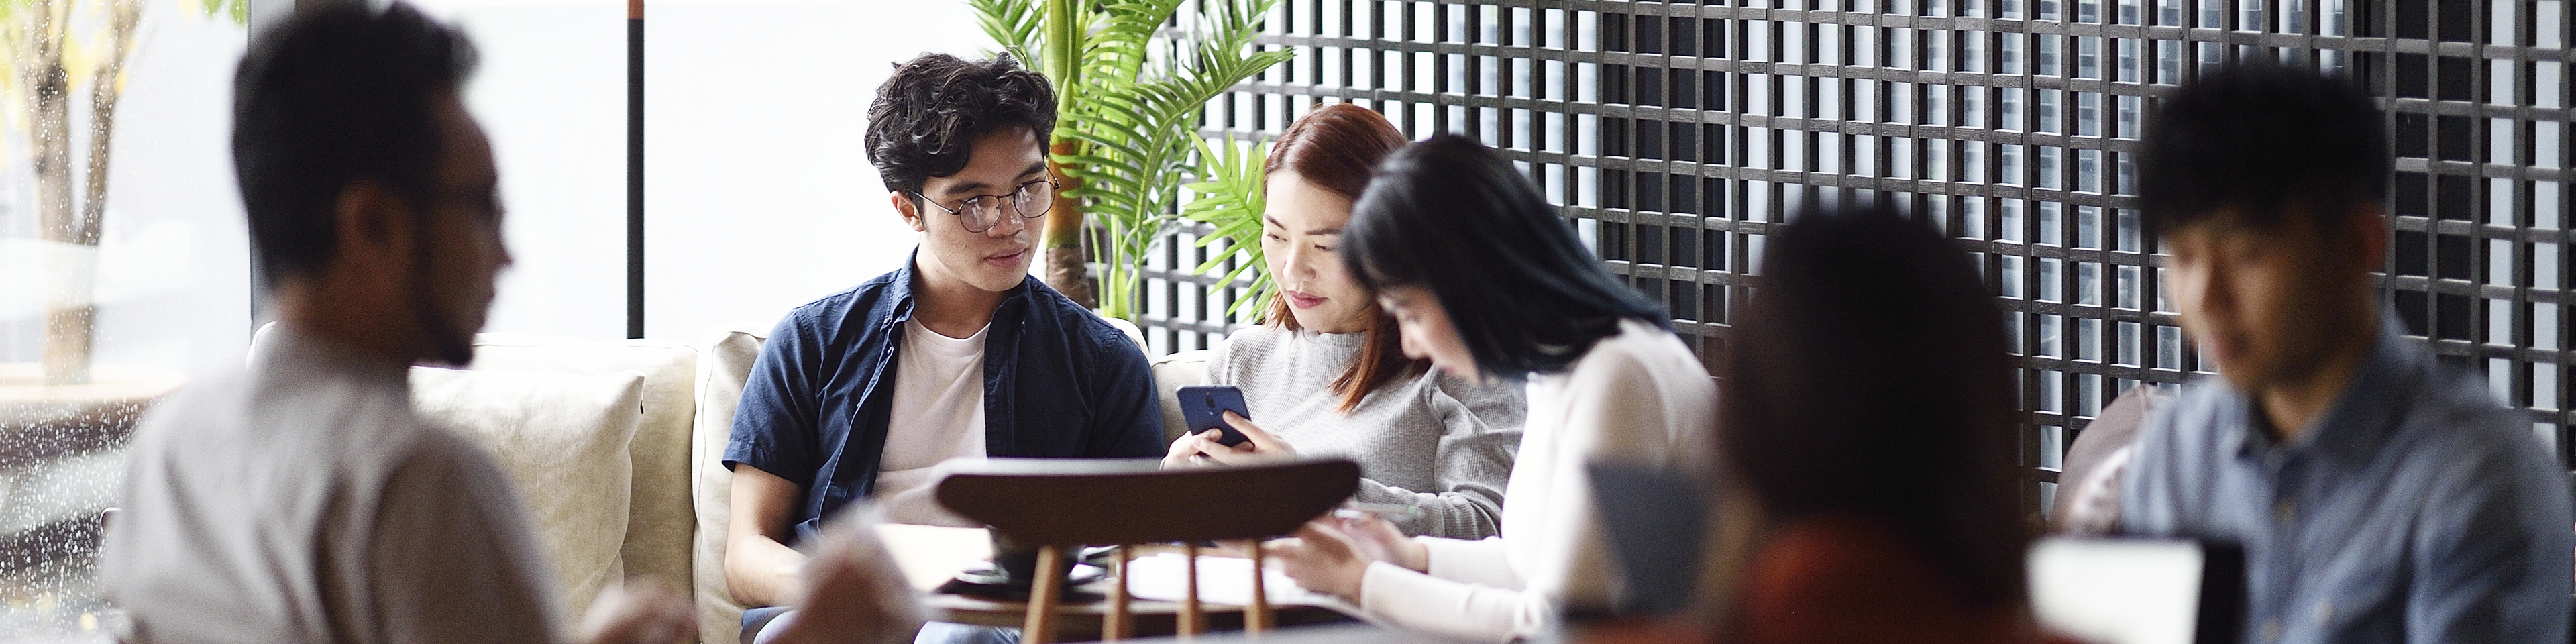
1129,95
1230,198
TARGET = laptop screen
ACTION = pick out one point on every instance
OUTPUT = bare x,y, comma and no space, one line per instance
1656,520
2135,591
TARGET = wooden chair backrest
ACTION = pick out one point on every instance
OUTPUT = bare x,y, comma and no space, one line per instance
1063,503
1072,502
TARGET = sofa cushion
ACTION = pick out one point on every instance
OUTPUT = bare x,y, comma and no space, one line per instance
724,364
1134,333
1171,373
562,439
658,528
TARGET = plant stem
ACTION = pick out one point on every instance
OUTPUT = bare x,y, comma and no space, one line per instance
1060,58
1065,257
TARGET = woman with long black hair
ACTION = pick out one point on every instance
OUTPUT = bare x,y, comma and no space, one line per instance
1487,282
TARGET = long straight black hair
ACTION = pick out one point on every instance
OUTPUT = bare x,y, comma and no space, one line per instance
1448,215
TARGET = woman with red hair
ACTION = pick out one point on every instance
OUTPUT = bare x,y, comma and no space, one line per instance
1324,371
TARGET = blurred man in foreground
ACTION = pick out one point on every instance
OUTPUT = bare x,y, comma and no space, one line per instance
302,501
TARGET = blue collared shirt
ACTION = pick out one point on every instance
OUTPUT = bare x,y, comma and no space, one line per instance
1058,382
2412,510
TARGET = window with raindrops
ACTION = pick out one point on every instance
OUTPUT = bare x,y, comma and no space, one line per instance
124,266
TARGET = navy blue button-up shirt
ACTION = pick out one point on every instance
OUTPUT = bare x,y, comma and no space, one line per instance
2412,510
1058,382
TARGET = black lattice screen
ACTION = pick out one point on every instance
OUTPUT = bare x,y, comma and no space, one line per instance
1674,133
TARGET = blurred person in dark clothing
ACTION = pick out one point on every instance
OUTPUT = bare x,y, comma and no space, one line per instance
1870,410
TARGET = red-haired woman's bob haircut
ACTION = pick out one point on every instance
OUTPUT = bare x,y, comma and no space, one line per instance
1336,147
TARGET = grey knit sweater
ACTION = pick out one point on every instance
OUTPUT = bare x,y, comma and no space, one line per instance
1434,442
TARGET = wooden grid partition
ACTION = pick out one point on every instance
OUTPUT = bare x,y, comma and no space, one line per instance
1674,135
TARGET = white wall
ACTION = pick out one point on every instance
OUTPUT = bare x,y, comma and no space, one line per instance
759,196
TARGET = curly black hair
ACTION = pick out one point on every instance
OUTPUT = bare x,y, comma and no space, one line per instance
926,118
2270,141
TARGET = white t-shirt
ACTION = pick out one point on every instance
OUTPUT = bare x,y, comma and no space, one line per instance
938,415
304,502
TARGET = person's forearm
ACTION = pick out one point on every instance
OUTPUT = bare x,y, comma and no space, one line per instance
1452,609
759,567
1455,515
759,570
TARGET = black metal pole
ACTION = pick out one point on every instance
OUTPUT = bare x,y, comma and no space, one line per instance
634,168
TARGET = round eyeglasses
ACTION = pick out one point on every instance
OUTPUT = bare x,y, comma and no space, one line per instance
980,213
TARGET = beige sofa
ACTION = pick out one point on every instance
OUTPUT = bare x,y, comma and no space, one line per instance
728,354
554,411
1172,372
602,430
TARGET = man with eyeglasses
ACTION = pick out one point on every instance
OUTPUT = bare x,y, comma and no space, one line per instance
960,354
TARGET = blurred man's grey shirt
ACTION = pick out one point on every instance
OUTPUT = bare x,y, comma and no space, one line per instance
303,502
2414,509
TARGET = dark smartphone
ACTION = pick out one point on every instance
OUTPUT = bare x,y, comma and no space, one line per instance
1204,409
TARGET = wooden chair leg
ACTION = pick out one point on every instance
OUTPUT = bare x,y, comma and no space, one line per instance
1256,618
1115,627
1193,619
1040,625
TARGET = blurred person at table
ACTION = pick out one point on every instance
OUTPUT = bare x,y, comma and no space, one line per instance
302,500
1870,411
2379,496
959,354
1487,282
1326,372
850,591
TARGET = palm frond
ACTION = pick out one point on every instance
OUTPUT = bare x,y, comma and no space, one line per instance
1014,24
1230,198
1134,110
1119,41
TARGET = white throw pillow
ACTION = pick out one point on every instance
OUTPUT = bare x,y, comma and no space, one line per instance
562,439
724,365
1171,373
658,520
